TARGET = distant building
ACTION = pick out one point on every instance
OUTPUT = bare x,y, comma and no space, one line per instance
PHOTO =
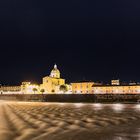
55,84
52,83
83,87
115,82
10,89
116,89
28,88
132,83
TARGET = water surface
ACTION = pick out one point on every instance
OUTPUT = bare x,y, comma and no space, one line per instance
69,121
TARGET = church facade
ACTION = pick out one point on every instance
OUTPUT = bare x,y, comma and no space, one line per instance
52,83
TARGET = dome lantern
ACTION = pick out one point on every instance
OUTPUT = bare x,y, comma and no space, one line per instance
55,73
55,66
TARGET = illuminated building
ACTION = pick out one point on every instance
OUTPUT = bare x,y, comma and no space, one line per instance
52,83
25,88
97,88
10,89
115,82
116,89
82,87
28,88
56,85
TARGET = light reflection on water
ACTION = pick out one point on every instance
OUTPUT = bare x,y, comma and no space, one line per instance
120,121
118,107
137,107
127,114
78,105
100,121
98,106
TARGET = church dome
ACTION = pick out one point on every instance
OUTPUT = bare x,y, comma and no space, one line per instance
55,72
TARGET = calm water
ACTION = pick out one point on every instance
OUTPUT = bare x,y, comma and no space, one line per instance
64,121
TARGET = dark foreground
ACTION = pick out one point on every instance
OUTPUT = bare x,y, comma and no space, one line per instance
69,121
88,98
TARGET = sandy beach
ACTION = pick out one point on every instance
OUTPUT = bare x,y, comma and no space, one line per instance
67,121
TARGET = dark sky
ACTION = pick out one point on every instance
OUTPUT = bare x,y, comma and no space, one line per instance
88,39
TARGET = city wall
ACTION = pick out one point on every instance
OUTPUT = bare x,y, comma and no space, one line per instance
89,98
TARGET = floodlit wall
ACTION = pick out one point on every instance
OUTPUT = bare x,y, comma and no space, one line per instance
10,88
51,85
82,87
130,89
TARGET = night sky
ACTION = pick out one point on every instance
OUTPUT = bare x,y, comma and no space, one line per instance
94,40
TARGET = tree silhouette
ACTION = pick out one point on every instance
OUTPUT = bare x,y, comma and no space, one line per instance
63,88
34,90
42,91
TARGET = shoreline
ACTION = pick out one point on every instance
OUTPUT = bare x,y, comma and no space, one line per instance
74,98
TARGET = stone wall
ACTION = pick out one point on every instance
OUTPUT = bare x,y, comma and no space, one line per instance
95,98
